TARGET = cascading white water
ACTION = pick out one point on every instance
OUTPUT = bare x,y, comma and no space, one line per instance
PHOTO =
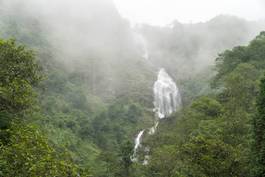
167,98
137,142
152,130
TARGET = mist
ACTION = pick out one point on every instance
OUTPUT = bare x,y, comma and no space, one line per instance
88,36
187,49
92,37
78,27
86,91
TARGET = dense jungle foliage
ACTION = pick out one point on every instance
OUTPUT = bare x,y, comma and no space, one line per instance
61,119
220,134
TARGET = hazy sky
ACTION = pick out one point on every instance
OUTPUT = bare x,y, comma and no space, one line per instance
163,12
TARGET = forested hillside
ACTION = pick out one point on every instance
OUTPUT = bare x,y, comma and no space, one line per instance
76,88
217,134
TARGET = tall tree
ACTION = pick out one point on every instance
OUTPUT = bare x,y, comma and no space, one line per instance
18,75
125,154
259,131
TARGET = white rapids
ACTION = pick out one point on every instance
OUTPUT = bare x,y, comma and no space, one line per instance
152,130
167,98
137,142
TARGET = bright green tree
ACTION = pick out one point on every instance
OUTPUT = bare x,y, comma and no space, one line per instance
18,75
29,154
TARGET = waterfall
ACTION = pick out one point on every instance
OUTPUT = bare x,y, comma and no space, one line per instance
167,100
137,142
152,130
166,95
